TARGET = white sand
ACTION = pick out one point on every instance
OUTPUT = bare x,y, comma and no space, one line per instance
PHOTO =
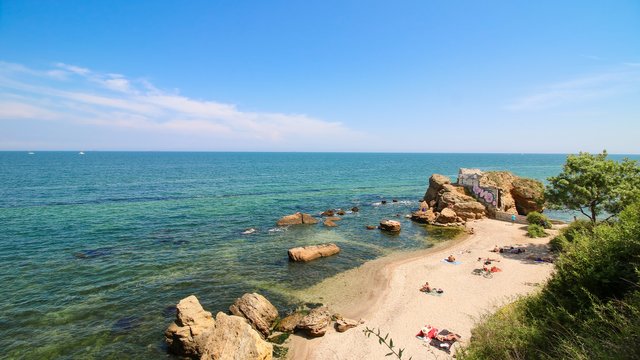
385,294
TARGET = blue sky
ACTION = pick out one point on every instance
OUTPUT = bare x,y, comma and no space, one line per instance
398,76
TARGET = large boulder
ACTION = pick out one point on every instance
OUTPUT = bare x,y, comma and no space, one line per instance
502,180
257,310
390,225
296,219
447,216
436,181
450,196
234,339
312,252
315,324
188,335
528,195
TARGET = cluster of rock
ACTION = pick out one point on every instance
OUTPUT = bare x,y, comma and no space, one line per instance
296,219
245,333
447,204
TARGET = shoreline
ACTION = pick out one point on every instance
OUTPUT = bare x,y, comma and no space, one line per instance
384,293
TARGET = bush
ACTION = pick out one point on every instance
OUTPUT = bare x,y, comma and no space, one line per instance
536,231
568,234
538,219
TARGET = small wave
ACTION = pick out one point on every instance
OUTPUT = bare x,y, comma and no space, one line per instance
376,203
278,229
406,202
250,231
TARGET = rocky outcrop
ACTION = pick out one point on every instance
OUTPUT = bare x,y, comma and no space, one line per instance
308,253
528,195
469,210
257,310
345,324
328,212
316,323
234,339
289,323
390,225
296,219
424,217
436,181
329,223
188,335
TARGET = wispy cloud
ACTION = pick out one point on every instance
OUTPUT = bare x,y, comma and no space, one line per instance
581,89
74,94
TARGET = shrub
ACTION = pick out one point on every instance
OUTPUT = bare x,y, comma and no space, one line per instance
536,231
569,233
538,219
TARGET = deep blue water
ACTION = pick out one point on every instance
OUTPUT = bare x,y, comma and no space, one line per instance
96,248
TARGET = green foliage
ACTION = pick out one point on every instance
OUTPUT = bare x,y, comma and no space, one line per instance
278,339
593,185
280,352
569,233
589,309
383,341
535,231
535,217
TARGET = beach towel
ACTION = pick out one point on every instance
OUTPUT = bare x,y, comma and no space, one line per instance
452,262
427,332
443,345
434,292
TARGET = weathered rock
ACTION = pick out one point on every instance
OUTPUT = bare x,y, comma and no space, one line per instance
470,210
188,335
394,200
345,324
371,227
308,253
383,202
328,212
436,181
424,206
390,225
234,339
257,310
355,209
341,212
296,219
329,223
289,323
528,195
446,216
316,322
333,218
424,217
450,195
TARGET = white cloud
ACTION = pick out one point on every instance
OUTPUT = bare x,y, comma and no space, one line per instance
580,89
115,101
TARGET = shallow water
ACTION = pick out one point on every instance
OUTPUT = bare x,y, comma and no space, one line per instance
97,249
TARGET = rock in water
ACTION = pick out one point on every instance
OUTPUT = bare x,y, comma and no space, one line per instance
257,309
329,223
355,209
390,225
188,335
345,324
296,219
308,253
371,227
234,339
316,322
328,212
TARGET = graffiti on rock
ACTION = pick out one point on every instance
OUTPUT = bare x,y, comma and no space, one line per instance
486,195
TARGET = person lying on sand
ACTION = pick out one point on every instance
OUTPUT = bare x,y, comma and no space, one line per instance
448,337
451,258
538,258
425,287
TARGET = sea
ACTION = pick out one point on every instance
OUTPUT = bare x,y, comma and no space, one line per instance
97,248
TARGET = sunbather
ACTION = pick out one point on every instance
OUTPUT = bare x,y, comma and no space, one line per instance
451,258
448,337
425,287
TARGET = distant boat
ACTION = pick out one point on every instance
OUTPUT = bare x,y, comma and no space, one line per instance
81,153
31,153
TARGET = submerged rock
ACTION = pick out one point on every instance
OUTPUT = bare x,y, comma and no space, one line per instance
289,323
308,253
328,212
329,223
355,209
257,310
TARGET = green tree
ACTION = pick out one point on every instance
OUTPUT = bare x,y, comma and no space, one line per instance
593,185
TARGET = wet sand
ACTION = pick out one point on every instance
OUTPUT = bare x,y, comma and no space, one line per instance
385,294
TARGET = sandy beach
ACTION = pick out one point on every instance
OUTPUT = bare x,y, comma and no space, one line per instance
385,294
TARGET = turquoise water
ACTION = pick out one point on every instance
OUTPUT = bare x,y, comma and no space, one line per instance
97,248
